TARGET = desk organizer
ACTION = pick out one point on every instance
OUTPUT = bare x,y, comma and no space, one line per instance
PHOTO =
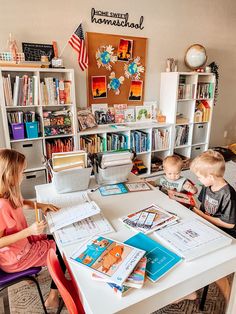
112,175
32,129
18,131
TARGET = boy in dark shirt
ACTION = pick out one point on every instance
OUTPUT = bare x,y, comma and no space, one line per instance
217,197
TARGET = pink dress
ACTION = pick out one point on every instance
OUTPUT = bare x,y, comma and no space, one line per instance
25,253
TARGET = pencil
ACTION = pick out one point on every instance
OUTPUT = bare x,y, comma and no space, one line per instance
36,212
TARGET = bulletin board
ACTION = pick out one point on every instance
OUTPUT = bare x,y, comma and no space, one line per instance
94,42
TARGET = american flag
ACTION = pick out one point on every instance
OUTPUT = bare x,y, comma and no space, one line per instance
78,43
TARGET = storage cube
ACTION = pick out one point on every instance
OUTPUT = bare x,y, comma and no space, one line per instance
33,151
197,150
30,179
199,133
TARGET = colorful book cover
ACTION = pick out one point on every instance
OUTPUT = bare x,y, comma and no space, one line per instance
113,189
111,259
135,279
160,260
148,219
119,290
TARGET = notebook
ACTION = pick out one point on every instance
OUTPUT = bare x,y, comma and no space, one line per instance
160,260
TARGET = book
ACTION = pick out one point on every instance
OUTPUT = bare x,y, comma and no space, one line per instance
183,198
192,238
148,219
113,189
137,186
160,260
119,290
109,258
134,280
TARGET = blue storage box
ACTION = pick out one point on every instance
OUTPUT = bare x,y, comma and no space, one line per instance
32,129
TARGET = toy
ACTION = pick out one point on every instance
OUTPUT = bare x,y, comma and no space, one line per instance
139,166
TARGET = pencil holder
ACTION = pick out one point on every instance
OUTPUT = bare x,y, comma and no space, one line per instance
18,131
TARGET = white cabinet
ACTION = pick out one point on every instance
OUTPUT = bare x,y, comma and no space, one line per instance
187,100
47,96
151,141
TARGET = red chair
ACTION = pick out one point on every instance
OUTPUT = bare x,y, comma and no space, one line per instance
65,286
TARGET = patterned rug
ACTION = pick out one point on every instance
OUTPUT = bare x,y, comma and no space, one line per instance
24,299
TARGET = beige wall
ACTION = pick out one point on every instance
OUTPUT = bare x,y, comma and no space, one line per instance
170,25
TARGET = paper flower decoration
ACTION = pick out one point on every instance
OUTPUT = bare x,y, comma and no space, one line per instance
104,57
133,69
115,83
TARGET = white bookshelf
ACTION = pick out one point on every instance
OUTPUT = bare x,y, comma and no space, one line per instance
174,102
126,129
35,148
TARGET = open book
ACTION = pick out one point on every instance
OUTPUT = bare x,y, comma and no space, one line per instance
111,259
192,238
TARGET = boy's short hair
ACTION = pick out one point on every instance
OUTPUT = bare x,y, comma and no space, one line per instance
173,160
209,163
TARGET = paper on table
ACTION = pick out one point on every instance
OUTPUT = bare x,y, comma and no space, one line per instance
84,229
68,215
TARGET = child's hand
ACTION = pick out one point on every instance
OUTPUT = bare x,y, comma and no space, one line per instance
37,228
48,207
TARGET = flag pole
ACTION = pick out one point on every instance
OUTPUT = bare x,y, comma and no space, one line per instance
67,42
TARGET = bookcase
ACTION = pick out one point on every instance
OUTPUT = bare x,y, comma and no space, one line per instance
39,116
187,100
151,141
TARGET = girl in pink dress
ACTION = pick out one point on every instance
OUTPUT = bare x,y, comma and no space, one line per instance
21,246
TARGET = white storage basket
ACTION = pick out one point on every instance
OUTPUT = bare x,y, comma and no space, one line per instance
112,175
71,180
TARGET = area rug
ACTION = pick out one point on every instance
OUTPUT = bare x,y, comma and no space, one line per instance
24,299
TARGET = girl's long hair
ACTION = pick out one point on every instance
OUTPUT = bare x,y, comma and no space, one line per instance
11,165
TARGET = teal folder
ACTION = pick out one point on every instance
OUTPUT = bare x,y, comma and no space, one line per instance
159,259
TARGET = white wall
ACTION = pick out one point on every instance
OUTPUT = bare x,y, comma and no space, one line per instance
170,26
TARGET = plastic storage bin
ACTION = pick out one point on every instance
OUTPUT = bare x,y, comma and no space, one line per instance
32,129
71,180
199,133
30,179
197,150
18,131
112,175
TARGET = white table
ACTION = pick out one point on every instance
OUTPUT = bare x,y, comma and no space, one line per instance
98,297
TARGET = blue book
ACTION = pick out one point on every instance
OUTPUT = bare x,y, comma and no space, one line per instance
159,259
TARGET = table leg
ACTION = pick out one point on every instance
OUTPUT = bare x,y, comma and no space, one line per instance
231,307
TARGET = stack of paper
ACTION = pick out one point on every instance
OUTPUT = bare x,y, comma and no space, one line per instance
69,160
115,159
149,219
192,238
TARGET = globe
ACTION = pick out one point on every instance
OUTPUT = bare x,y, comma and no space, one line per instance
105,57
115,83
132,68
195,56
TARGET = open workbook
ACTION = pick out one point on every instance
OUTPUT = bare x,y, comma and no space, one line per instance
78,218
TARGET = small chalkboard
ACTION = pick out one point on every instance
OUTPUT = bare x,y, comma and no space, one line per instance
33,52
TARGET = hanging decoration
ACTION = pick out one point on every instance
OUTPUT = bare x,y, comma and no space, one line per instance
133,69
104,57
115,83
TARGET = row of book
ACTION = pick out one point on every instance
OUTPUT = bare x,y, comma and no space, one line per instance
55,92
160,139
93,143
117,141
181,135
186,91
20,91
59,145
205,90
139,141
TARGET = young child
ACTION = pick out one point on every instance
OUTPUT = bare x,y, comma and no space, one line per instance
217,197
21,246
172,180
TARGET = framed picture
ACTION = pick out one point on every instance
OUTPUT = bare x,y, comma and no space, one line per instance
34,52
136,89
125,50
143,113
99,87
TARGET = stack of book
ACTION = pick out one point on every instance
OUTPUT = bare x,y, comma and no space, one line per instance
55,92
116,263
58,145
160,138
149,219
181,135
93,143
186,91
205,90
117,141
139,141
